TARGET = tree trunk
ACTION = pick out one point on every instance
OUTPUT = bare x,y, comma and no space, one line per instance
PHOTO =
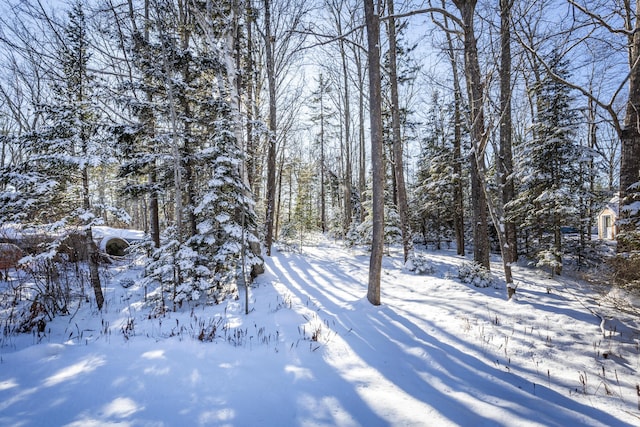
278,196
154,210
505,157
398,164
187,149
372,20
92,250
148,121
458,194
475,93
347,140
271,152
323,203
249,105
629,223
505,164
362,184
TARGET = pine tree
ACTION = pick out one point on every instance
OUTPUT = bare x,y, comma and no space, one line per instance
436,177
213,238
225,216
322,116
52,186
550,170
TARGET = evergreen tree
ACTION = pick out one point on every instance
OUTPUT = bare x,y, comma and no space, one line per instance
436,178
322,117
549,170
52,185
214,234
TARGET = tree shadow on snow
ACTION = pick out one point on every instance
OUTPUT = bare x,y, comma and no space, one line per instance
462,388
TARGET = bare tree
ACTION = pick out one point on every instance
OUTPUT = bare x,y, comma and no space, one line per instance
271,151
458,194
398,156
505,158
372,19
336,10
478,136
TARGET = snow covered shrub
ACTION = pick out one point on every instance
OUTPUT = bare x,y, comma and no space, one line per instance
127,282
358,234
179,271
626,270
362,234
48,291
419,264
161,270
475,274
551,259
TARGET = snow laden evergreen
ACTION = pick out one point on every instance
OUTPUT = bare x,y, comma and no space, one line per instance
225,214
436,177
362,233
549,173
51,186
184,146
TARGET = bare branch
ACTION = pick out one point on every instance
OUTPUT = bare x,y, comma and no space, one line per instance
599,20
607,106
331,38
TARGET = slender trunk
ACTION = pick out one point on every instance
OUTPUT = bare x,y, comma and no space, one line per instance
148,121
505,160
506,157
92,250
187,149
372,19
271,152
398,164
323,204
362,183
629,223
478,139
278,202
250,149
177,155
458,194
347,141
154,210
593,143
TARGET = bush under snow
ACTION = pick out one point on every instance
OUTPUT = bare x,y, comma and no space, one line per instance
474,274
419,264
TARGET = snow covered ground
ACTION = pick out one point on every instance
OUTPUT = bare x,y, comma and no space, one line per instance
313,352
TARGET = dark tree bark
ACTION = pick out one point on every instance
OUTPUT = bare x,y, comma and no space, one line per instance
90,245
478,140
458,193
372,19
629,223
271,151
357,54
148,120
398,156
250,105
347,138
323,196
92,250
505,158
154,209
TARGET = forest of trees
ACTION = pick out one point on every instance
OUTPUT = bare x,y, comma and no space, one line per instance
220,127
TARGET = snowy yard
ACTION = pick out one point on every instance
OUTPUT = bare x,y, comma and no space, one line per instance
314,352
